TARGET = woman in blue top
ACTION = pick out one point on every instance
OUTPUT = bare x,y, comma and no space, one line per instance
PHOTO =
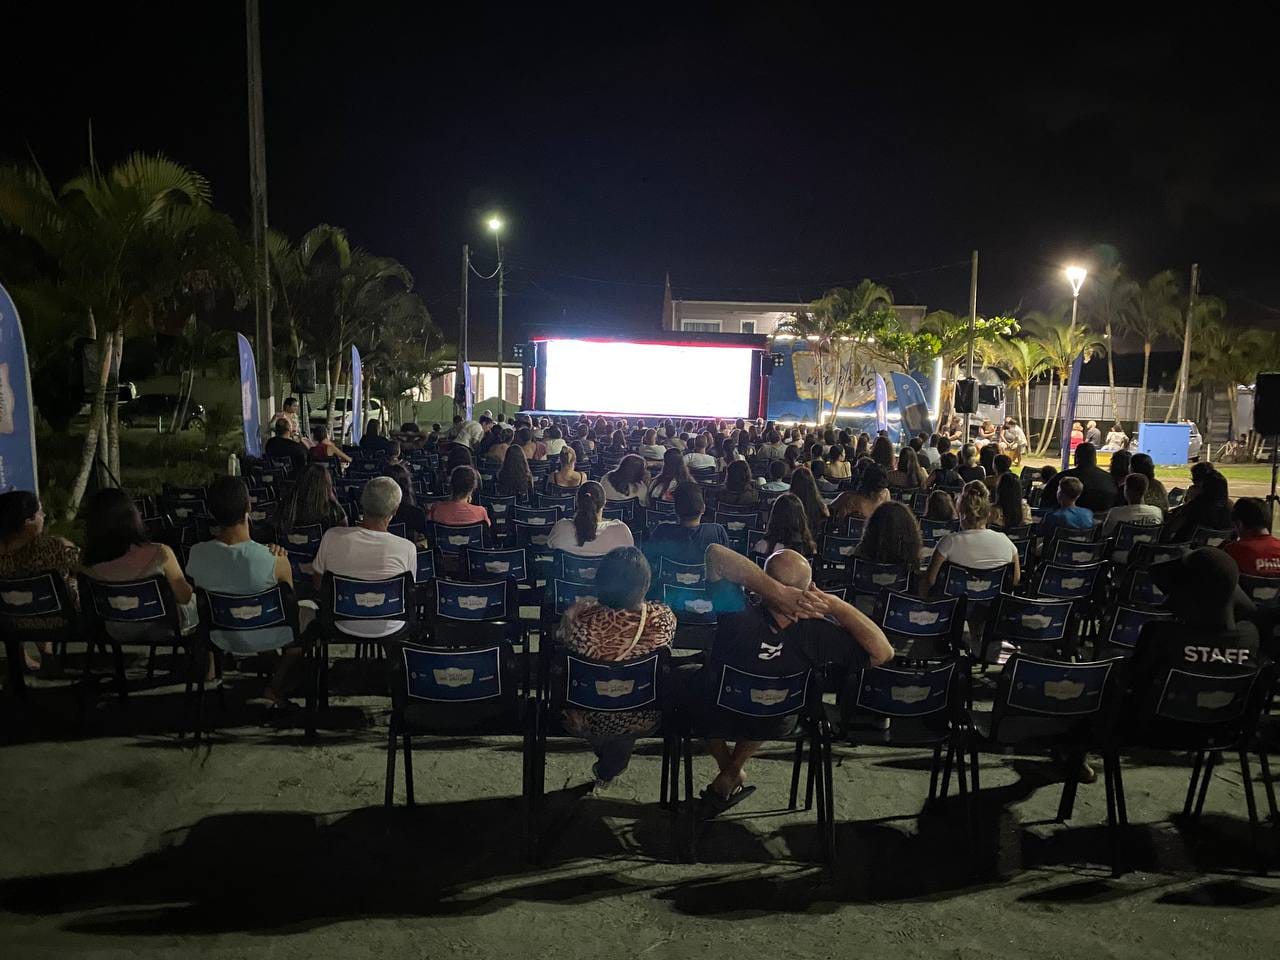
233,563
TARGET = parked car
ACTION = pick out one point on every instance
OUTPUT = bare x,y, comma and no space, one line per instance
1195,443
340,418
150,409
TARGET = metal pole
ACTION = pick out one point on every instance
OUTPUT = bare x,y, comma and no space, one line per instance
458,377
973,328
258,204
1186,343
502,274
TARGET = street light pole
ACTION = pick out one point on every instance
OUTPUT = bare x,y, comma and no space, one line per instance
495,224
973,330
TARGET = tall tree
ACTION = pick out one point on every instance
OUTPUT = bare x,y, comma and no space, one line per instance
1052,332
119,245
1021,360
1154,311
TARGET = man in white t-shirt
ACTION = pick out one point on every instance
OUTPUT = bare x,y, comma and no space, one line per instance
368,552
699,459
470,433
1134,510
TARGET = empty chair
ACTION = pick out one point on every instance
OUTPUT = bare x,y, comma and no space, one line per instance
471,614
1122,625
921,629
1207,537
1029,625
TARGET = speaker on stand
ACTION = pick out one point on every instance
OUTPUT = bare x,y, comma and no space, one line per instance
1266,422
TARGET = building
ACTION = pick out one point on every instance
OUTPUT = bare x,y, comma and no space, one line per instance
484,382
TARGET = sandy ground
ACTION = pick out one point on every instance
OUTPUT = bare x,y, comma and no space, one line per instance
124,842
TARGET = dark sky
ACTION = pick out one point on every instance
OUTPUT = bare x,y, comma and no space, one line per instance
747,150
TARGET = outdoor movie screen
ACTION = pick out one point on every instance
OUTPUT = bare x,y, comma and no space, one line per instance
648,378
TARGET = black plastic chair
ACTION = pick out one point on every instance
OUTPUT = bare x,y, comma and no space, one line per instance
350,600
1121,626
35,609
922,630
1127,536
1029,625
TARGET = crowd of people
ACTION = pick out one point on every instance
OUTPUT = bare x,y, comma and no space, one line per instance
801,482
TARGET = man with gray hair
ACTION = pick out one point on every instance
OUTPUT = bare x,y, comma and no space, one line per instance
795,628
368,551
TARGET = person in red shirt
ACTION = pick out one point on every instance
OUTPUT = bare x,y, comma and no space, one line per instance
1255,551
459,510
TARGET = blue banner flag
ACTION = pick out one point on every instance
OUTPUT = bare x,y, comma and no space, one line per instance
17,420
353,403
882,404
249,398
911,405
1069,410
468,382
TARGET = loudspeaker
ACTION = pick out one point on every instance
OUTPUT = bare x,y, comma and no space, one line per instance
1266,404
966,396
304,376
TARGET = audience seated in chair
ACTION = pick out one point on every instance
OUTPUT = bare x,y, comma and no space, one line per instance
1068,515
686,540
973,546
788,529
458,510
26,550
1255,551
588,533
1135,508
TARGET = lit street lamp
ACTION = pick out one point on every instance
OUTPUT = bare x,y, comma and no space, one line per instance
1075,276
495,225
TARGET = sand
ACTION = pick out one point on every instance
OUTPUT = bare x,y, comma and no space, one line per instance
126,842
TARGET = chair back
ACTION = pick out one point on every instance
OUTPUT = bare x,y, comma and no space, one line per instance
921,629
1195,710
575,567
242,613
451,539
1149,554
624,510
1263,591
474,602
1024,622
535,517
1062,701
453,690
303,541
609,686
975,585
148,601
1068,583
425,568
1138,587
485,565
931,531
762,697
1207,537
565,593
344,599
562,504
870,578
37,609
664,507
687,574
1123,624
931,693
690,604
1075,553
838,549
1127,536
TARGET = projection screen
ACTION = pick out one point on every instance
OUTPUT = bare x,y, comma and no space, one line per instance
651,378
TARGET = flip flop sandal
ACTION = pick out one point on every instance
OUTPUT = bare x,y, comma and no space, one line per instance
715,804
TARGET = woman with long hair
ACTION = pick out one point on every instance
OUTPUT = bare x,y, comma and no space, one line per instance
1156,494
969,469
987,459
458,510
882,453
27,549
863,448
940,506
587,533
650,448
739,489
674,471
815,508
872,489
567,475
617,442
459,456
909,475
533,449
497,453
1121,464
117,549
515,479
973,546
892,535
838,468
791,457
1010,510
311,502
627,481
409,513
324,448
788,528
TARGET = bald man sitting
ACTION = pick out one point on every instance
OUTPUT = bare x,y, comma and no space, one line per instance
786,633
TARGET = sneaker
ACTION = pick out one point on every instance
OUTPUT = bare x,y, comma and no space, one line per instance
1087,773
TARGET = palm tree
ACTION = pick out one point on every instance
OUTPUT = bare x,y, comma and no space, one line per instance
1153,312
1108,297
122,243
1061,343
1223,358
1208,313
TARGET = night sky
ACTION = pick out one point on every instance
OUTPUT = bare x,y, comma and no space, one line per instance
750,152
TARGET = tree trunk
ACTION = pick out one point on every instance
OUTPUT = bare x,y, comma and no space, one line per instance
1047,425
1111,375
90,448
1173,402
1146,372
113,408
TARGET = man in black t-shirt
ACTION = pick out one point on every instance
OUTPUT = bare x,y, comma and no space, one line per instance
280,447
796,628
1100,489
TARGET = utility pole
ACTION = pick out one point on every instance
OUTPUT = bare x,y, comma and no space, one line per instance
258,206
502,274
1186,344
973,328
459,375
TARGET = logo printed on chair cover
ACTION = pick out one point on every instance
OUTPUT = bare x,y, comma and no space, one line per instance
496,566
123,603
769,697
18,598
978,586
370,599
884,579
1072,583
299,539
910,694
699,606
1063,689
457,541
1036,621
615,688
1082,557
688,578
847,550
923,618
1215,699
473,602
245,613
453,676
1266,593
537,521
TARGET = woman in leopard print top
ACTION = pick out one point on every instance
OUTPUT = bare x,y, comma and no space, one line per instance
26,550
620,625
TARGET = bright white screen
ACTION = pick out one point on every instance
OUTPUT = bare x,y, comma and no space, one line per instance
609,377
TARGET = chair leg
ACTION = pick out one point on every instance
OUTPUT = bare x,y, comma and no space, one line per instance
946,771
813,767
1204,782
199,724
1122,807
1251,802
311,679
1113,824
1067,804
1196,768
663,802
795,774
408,770
388,797
1264,765
691,810
122,688
934,770
829,830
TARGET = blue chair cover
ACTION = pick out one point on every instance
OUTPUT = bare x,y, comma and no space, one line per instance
29,596
871,577
368,599
762,697
690,604
449,539
913,617
687,574
1031,619
426,567
452,676
252,612
1125,624
1204,698
135,602
1058,689
611,687
839,549
577,568
471,601
486,564
565,593
905,693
